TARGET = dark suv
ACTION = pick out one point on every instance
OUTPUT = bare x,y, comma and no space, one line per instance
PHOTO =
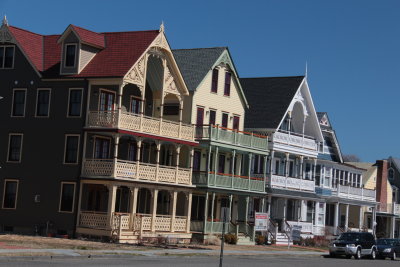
354,244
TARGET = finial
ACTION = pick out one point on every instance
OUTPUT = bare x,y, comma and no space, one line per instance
5,22
306,70
162,26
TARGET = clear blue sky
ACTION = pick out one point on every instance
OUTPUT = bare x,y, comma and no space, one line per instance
352,48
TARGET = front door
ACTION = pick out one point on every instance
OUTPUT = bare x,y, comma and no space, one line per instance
102,148
107,100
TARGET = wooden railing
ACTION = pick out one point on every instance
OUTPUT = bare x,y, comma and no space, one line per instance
140,123
272,229
345,191
292,183
229,181
162,223
136,170
231,136
293,139
306,227
93,219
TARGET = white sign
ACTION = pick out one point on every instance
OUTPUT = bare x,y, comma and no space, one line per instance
261,221
296,232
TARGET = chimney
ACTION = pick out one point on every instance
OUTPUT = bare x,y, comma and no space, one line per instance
382,182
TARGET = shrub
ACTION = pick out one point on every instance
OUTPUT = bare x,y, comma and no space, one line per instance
260,240
231,239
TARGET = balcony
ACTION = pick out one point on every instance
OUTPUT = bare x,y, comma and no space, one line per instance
140,123
349,192
133,170
396,209
229,181
294,142
231,137
278,181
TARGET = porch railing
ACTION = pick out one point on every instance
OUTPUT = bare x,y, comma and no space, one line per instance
294,139
93,219
230,136
306,227
140,123
396,209
229,181
292,183
136,170
162,223
345,191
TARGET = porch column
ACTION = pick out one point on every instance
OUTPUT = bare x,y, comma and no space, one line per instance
347,217
208,170
336,218
249,170
138,156
233,166
112,192
174,197
178,150
316,213
133,204
191,156
212,212
79,204
272,166
301,166
216,163
230,206
265,172
269,206
205,213
361,219
263,204
180,118
154,210
374,220
116,142
284,209
286,164
392,228
119,99
314,170
246,218
189,211
158,148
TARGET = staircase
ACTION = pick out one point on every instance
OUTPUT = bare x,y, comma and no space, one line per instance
244,240
282,239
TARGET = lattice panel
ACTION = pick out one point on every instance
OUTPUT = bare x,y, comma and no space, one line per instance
180,224
93,220
146,223
136,223
126,169
103,119
151,125
98,167
166,174
147,172
187,132
170,129
184,176
130,121
162,223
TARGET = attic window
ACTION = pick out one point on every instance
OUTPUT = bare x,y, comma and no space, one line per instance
70,55
6,57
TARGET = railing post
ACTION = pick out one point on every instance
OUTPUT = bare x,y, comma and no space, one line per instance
251,139
174,196
217,132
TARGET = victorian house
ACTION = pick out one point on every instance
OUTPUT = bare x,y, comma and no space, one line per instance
229,165
96,139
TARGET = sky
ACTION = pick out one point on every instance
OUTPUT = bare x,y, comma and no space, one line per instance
352,49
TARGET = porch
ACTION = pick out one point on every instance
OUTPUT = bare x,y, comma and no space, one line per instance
229,181
354,193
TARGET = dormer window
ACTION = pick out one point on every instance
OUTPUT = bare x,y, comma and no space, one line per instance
70,55
6,57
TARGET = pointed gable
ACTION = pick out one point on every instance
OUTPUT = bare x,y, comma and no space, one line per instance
269,99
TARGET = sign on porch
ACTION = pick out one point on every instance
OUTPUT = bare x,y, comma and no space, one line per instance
261,221
296,232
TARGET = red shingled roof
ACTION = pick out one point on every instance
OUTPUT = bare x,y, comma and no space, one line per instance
121,51
89,37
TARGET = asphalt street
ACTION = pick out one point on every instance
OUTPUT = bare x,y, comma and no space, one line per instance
194,261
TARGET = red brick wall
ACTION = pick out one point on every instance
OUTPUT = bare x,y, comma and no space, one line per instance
381,181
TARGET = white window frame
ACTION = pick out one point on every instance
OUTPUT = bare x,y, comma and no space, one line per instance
77,151
68,103
4,57
108,91
73,198
9,144
109,147
4,194
12,103
37,97
65,55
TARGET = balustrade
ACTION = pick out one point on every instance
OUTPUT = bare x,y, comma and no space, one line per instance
345,191
140,123
293,139
292,183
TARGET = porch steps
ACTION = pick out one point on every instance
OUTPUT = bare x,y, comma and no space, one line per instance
282,240
244,240
128,237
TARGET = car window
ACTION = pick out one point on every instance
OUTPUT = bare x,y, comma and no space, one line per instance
349,237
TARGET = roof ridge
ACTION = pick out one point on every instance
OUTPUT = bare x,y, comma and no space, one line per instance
26,31
73,25
273,77
129,31
200,48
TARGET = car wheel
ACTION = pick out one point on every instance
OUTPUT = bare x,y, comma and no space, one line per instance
358,254
394,256
373,254
332,255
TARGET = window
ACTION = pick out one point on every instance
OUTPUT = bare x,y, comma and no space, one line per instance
102,148
277,166
18,104
221,163
224,120
43,103
321,214
70,55
214,82
135,105
227,87
14,147
213,114
196,160
67,197
308,173
106,100
291,168
236,120
200,116
318,175
10,194
132,151
75,103
71,149
6,57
